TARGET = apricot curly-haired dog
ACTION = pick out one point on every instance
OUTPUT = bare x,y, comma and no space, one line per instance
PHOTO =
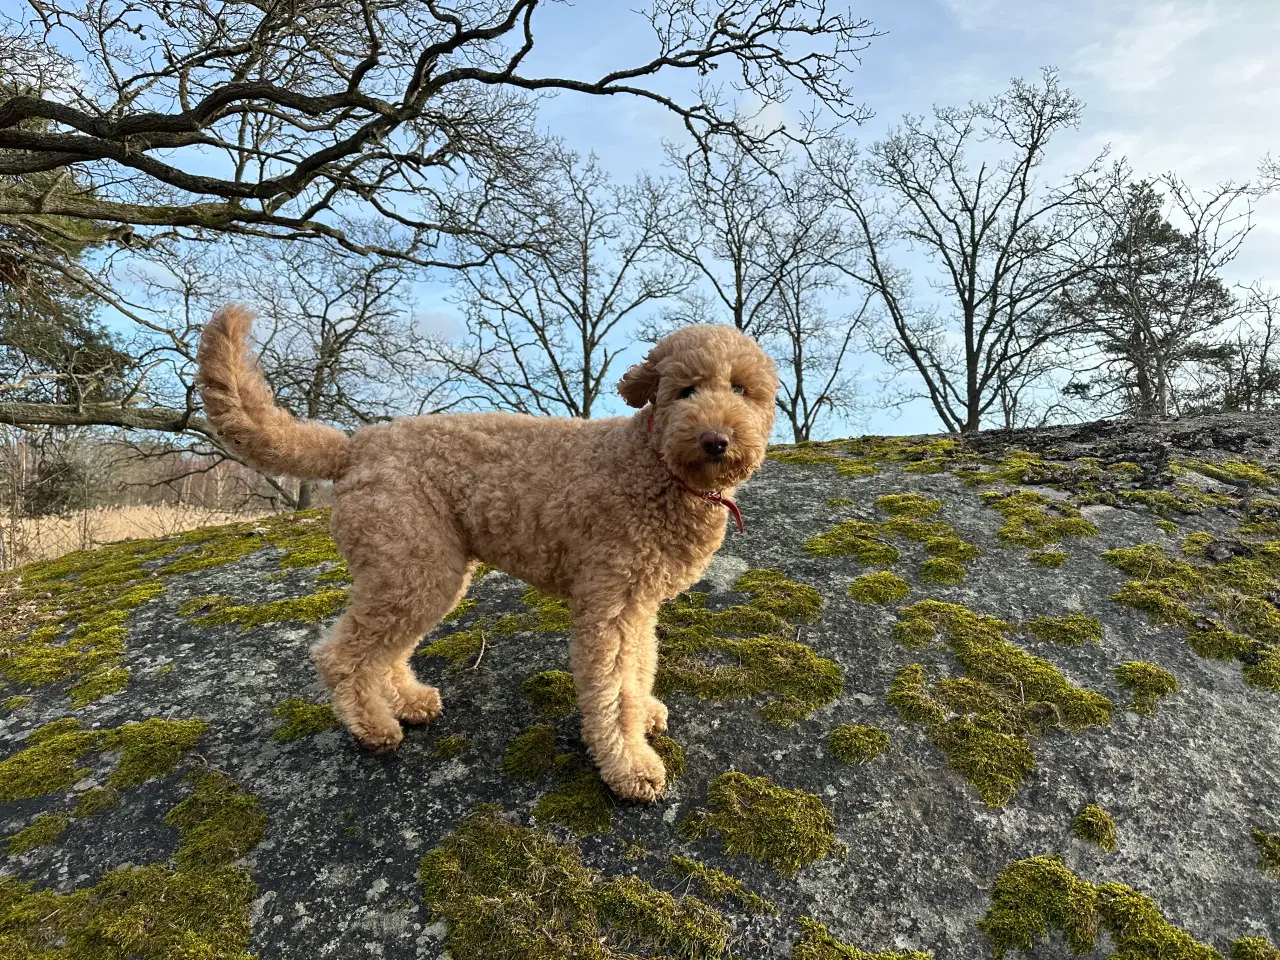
617,515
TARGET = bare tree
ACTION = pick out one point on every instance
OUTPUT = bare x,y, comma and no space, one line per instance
769,256
542,323
1155,301
278,119
724,234
813,349
339,340
1241,373
963,192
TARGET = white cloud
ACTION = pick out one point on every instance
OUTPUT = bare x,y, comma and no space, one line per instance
1143,54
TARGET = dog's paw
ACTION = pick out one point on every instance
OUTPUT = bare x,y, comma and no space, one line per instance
656,717
377,738
421,706
637,775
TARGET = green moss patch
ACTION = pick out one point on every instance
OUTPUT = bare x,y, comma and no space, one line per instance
200,909
465,605
1146,684
532,753
788,829
49,763
552,613
773,593
1268,845
95,800
871,542
446,748
1094,825
718,886
503,890
1073,630
551,693
148,750
1039,894
857,539
1225,606
748,650
815,943
65,619
301,718
1049,559
309,609
950,548
1234,472
985,719
219,823
880,587
908,505
43,832
1252,948
580,802
855,744
940,570
671,754
461,649
1033,520
103,682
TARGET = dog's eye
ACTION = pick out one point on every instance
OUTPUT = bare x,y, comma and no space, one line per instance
739,388
688,391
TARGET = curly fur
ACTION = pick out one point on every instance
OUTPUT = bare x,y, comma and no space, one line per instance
583,509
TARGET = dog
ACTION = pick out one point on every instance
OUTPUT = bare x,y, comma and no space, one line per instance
616,515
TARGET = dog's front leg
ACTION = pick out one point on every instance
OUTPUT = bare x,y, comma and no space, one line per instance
612,656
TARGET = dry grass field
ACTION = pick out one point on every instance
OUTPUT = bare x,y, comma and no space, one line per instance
44,538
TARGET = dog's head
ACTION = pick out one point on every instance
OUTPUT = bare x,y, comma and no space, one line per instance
712,390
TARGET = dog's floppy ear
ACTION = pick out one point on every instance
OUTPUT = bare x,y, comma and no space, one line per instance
639,385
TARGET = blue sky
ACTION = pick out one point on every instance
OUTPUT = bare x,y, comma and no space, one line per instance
1182,85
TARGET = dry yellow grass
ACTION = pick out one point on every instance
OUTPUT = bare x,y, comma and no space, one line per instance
45,538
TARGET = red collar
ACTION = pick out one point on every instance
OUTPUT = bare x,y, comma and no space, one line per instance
711,496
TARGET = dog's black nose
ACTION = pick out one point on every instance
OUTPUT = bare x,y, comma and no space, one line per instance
714,444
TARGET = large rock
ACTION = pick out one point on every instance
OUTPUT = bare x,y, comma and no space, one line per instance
1016,693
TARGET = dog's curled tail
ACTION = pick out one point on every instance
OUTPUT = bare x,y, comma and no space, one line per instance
241,407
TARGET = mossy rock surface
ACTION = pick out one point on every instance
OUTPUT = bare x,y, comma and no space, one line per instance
310,847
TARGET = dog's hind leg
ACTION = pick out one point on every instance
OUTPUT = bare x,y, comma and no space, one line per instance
403,585
412,700
610,639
